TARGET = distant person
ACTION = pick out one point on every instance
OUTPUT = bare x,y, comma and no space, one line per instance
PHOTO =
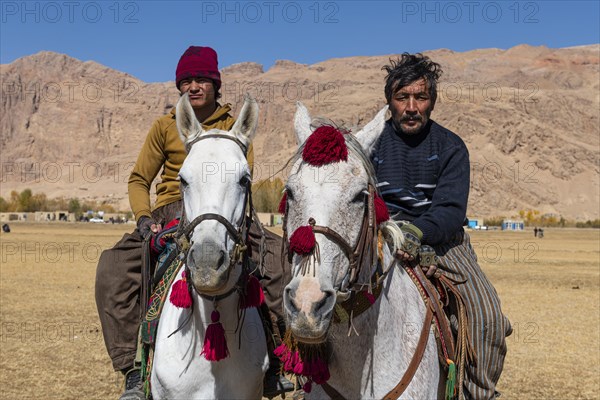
535,231
5,228
118,277
423,172
541,233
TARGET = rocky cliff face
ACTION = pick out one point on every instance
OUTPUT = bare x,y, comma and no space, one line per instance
529,115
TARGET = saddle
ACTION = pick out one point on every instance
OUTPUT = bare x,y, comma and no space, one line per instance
443,301
454,344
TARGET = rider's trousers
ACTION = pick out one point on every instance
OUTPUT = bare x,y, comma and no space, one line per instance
488,326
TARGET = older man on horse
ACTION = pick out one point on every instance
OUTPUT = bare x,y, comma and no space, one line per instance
423,173
119,273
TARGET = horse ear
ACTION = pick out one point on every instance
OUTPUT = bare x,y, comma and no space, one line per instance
302,123
368,135
187,123
245,126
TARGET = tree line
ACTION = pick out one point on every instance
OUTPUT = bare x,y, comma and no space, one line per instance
27,201
534,218
266,195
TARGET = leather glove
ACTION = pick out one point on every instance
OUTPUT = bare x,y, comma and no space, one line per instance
145,225
428,260
412,239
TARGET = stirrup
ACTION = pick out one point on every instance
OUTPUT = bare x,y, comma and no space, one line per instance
275,385
133,386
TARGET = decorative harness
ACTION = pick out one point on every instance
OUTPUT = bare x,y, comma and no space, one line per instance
347,295
182,239
238,234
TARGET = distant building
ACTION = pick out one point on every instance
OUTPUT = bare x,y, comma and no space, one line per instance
45,216
513,225
476,223
17,216
268,219
473,223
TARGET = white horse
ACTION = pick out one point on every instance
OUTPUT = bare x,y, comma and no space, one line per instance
370,359
215,179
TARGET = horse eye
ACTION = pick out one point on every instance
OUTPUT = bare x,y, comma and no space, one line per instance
244,180
360,197
288,193
183,182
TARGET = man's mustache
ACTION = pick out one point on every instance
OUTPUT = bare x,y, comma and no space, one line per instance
411,118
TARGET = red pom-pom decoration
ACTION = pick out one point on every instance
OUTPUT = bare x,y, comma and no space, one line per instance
324,146
215,342
303,240
255,296
381,211
283,203
180,294
307,387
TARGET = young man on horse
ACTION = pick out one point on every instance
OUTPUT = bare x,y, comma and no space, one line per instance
424,176
119,274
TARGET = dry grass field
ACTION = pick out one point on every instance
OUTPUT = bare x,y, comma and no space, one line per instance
51,345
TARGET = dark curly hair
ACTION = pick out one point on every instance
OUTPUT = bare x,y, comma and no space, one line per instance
411,67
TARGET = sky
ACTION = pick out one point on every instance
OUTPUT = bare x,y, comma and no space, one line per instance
146,38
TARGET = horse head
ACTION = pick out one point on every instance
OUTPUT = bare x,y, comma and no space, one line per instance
215,185
329,209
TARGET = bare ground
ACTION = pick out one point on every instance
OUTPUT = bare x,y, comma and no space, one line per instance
51,343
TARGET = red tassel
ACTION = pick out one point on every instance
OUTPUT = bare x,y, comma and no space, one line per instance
255,296
307,387
381,212
315,369
215,342
302,240
298,366
318,370
180,293
283,203
283,352
324,146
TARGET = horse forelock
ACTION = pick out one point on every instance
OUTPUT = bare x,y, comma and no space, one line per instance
352,146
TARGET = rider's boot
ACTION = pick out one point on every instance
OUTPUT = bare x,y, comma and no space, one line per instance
133,385
275,383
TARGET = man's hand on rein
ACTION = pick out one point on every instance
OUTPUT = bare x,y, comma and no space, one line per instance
147,225
412,241
428,260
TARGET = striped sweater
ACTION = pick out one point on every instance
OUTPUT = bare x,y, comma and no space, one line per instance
424,178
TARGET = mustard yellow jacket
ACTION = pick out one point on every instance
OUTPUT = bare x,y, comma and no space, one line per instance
164,148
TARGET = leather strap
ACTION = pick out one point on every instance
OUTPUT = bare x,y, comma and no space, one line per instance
445,332
331,392
416,359
412,366
189,145
188,228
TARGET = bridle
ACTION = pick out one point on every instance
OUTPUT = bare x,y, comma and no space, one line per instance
366,250
239,233
363,252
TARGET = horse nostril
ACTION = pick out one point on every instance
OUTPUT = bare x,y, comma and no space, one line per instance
289,300
328,298
221,259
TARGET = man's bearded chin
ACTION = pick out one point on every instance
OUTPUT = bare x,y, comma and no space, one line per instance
407,118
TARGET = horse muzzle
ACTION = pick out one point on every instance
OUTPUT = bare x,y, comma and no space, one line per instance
209,264
308,309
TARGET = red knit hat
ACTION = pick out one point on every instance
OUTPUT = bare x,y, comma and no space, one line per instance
198,61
